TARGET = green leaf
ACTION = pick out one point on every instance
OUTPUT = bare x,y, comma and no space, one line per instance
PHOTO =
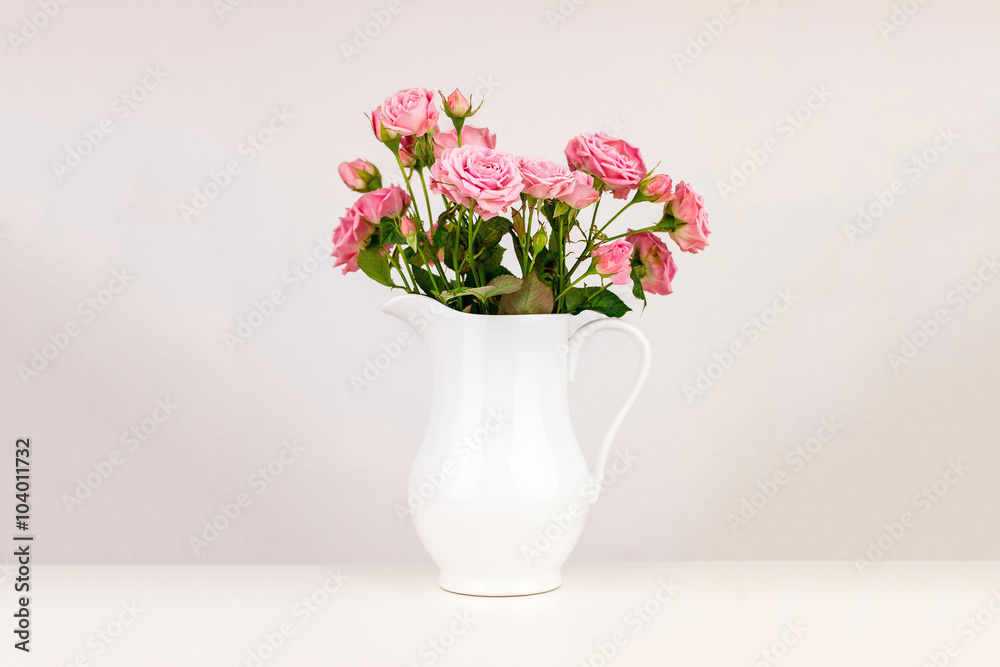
637,290
492,231
518,225
554,240
447,216
561,208
546,263
492,260
423,279
440,236
606,302
497,287
534,297
389,231
375,265
518,250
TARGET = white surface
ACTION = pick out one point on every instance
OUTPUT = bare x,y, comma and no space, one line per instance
719,614
608,65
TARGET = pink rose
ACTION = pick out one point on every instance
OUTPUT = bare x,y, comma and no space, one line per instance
360,175
468,173
689,207
544,179
471,136
658,189
658,267
382,203
616,162
382,133
457,105
349,239
584,193
407,227
408,112
614,261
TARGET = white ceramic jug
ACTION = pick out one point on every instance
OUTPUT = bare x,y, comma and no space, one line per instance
499,488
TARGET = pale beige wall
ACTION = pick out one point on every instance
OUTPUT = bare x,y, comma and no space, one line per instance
608,65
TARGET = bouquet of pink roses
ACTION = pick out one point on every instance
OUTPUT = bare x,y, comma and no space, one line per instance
488,196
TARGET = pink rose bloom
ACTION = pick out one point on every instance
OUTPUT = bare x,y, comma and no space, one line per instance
614,261
657,262
544,179
360,175
616,162
471,136
659,188
387,202
489,177
689,207
349,239
583,193
408,112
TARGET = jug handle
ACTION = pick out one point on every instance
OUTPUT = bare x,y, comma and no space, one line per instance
576,342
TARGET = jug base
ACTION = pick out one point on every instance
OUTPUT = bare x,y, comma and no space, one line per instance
500,587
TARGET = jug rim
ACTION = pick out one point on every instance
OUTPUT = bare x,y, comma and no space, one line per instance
525,316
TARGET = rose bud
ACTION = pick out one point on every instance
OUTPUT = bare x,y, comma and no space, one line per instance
360,175
382,133
406,156
539,240
658,189
457,105
407,227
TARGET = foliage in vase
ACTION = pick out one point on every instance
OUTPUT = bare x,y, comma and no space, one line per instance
491,203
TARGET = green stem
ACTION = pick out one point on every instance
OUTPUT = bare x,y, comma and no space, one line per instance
522,259
416,213
430,228
570,286
395,263
634,231
615,216
528,245
593,221
402,170
562,263
473,231
427,199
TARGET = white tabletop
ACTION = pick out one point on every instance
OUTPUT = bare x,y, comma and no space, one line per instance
678,613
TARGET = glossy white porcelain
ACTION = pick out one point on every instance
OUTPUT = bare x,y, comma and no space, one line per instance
500,489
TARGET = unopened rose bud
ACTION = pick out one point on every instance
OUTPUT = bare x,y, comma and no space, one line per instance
539,240
406,156
360,175
407,227
382,133
457,105
657,189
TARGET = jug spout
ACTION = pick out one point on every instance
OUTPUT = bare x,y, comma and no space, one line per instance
418,311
